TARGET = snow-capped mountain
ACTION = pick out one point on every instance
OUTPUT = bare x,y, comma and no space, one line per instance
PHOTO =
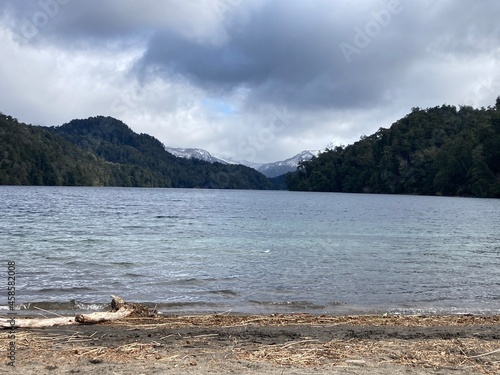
247,163
289,165
198,153
269,169
195,153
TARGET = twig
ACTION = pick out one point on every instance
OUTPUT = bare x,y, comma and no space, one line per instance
201,336
224,313
169,358
93,350
296,343
485,354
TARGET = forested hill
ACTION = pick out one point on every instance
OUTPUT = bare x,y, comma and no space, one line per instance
103,151
436,151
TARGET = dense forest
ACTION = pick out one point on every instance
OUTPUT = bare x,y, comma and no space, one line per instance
435,151
103,151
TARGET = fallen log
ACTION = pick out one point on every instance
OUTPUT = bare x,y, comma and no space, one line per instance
119,310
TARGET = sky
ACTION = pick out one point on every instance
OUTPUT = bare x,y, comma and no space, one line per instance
255,80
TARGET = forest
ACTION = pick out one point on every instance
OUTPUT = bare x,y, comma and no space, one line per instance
442,150
434,151
103,151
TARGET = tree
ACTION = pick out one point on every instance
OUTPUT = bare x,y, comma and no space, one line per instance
438,150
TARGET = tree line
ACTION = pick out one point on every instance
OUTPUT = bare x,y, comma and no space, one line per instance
103,151
442,150
435,151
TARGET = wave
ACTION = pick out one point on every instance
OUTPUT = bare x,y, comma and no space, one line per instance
72,305
63,290
132,274
187,281
249,307
227,292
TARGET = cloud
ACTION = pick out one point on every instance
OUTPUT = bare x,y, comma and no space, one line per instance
257,79
286,52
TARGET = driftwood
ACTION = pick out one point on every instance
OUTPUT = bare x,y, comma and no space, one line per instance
119,309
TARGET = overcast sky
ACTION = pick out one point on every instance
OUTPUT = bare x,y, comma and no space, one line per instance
257,80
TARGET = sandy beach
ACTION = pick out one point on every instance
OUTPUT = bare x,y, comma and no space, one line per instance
271,344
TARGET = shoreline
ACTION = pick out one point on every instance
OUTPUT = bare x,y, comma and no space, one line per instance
255,344
42,308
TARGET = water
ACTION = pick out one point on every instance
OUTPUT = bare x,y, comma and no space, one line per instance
250,251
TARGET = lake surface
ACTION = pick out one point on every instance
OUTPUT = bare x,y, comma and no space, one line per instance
250,251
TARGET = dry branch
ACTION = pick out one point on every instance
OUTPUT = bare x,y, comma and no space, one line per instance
119,310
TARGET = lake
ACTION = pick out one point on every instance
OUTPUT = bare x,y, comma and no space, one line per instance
198,251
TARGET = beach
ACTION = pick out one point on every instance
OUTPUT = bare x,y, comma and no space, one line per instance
255,344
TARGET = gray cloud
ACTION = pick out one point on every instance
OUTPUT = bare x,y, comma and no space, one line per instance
213,73
286,53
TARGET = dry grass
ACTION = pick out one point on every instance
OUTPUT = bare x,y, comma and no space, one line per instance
224,320
429,353
479,355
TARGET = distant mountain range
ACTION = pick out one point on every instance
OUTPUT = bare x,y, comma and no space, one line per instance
200,154
270,170
289,165
195,153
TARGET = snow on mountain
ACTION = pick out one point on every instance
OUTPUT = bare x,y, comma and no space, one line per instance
198,153
289,165
247,163
195,153
269,169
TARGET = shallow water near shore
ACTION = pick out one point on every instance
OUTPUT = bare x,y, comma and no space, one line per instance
193,251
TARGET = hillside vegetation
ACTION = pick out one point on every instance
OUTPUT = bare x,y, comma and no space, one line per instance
435,151
103,151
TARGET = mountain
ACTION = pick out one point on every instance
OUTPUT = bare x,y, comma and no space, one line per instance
247,163
34,155
268,169
200,154
195,153
289,165
434,151
103,151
